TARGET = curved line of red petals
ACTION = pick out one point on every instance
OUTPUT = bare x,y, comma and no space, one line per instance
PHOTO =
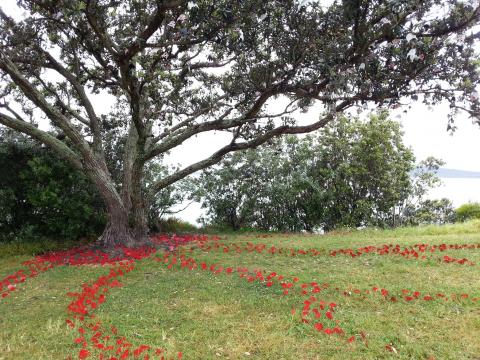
314,311
417,251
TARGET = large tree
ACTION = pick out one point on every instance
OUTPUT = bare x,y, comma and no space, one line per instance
179,68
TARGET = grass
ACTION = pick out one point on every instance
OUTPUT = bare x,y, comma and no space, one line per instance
208,316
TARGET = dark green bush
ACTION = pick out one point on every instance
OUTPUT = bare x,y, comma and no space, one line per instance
43,197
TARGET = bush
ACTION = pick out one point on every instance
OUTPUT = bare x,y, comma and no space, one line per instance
174,225
437,211
42,196
468,211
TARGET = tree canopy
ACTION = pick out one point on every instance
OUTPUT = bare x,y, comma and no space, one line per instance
177,68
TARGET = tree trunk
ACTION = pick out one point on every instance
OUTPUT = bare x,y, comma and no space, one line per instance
132,195
138,217
117,231
125,226
138,206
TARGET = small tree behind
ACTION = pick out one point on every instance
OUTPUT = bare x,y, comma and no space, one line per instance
428,211
352,174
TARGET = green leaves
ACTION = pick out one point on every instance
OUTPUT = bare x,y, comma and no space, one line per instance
50,198
352,174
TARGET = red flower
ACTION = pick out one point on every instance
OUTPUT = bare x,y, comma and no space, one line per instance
115,283
328,331
83,354
140,349
318,326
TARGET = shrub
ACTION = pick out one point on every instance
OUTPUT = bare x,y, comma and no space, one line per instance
468,211
42,196
174,225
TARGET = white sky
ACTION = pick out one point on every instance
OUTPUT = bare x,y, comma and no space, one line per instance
425,132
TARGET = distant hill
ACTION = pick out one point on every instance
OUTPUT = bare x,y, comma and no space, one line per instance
453,173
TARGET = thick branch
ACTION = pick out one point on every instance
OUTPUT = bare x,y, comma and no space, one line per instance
219,124
84,100
259,140
56,145
102,34
39,100
153,25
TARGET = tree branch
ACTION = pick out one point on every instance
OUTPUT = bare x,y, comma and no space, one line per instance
219,124
102,34
56,145
39,100
140,42
259,140
94,122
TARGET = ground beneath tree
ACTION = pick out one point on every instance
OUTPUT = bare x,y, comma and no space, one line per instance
313,296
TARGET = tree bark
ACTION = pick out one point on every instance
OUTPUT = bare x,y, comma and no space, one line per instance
138,210
126,226
117,231
132,183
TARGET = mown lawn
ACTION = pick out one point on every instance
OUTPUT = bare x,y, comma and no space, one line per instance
214,314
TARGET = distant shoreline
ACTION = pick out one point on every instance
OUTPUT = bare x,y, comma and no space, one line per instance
444,173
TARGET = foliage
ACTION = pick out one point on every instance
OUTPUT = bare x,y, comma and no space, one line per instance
468,211
415,209
363,170
258,189
437,211
165,202
42,195
173,225
176,69
352,174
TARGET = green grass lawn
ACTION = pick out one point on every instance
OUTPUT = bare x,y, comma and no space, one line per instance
205,315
